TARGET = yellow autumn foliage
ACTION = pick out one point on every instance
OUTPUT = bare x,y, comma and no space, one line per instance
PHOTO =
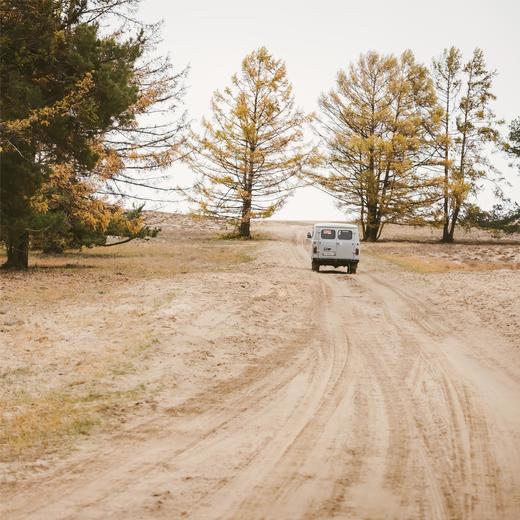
252,148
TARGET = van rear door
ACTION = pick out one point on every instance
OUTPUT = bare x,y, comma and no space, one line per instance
345,243
327,242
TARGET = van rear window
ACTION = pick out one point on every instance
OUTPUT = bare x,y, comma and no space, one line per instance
345,234
329,234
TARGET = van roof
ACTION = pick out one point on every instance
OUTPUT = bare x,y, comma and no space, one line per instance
335,225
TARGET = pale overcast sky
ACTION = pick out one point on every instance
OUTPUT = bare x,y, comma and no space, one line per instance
315,39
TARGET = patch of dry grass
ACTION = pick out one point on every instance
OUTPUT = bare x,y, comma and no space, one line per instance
433,234
149,259
34,425
235,235
95,271
430,264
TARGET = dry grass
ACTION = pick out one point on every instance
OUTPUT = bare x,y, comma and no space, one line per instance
256,236
36,422
434,257
34,425
395,232
94,271
424,265
146,259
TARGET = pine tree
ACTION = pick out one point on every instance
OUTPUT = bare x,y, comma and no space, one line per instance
72,104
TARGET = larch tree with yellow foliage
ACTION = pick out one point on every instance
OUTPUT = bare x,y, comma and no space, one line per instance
252,150
468,127
376,126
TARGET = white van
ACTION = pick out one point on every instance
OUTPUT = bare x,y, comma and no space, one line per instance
336,245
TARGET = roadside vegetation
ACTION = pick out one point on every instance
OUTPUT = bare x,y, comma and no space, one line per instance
429,258
419,249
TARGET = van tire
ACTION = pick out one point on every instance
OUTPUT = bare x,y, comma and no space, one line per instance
353,268
316,266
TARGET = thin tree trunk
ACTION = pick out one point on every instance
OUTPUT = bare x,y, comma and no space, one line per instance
362,217
445,223
462,163
381,226
372,225
245,221
446,206
451,232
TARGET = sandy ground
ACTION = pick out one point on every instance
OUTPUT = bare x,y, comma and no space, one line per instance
259,389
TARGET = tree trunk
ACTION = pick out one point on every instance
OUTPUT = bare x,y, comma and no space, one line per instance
371,233
446,224
454,218
462,164
245,221
17,252
445,231
446,205
446,187
373,223
447,237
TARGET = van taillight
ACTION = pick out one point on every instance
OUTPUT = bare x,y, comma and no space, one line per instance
357,250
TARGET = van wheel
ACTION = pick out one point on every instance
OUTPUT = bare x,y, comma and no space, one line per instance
315,266
353,268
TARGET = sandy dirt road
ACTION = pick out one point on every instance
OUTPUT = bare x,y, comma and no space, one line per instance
374,406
